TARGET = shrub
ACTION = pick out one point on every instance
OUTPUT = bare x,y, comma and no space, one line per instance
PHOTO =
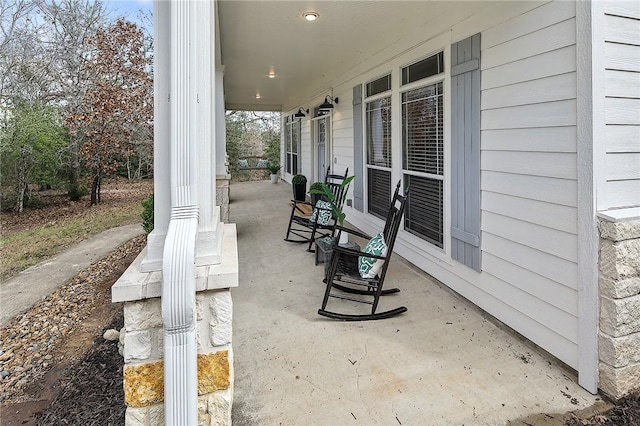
299,179
315,186
147,214
273,168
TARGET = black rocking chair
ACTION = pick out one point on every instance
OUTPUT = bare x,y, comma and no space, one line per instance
343,273
301,228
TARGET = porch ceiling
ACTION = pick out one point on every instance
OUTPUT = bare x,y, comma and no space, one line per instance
259,36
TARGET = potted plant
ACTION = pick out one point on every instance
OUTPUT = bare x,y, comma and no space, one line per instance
273,168
299,184
315,190
326,193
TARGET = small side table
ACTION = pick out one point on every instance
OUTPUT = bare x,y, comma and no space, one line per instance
324,249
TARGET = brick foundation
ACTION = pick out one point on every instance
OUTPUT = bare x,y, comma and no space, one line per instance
619,281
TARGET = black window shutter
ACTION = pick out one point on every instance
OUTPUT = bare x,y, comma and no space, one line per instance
358,171
465,152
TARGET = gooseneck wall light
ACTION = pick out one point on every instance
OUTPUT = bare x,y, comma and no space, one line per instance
327,105
301,113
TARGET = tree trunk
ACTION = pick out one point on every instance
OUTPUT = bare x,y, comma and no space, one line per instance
95,189
74,170
22,180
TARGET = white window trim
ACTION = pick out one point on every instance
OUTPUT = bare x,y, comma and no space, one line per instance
435,79
286,127
328,142
365,164
438,44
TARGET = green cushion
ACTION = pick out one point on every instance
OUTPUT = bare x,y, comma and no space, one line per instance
321,213
369,266
262,164
243,163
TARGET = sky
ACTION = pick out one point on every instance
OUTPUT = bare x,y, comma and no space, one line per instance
128,8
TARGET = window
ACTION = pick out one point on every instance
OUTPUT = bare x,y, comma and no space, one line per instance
380,85
378,130
423,161
292,142
432,65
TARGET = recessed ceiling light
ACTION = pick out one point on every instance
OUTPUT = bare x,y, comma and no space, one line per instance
310,16
272,75
257,95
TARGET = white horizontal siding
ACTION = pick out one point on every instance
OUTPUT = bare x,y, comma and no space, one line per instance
541,288
552,190
544,264
548,114
621,30
622,111
624,193
555,216
542,139
544,40
623,166
548,164
626,8
560,244
553,88
531,305
555,62
622,103
623,138
529,167
623,57
530,22
622,84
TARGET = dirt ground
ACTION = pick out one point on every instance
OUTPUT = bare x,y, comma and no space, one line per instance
115,192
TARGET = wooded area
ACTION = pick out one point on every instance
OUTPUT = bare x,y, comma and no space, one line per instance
76,99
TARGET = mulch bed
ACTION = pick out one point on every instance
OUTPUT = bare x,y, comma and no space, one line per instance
625,413
92,393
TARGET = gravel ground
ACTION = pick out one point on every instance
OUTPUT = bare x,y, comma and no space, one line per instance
57,332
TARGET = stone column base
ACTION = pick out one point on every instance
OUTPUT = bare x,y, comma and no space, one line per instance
619,282
141,339
223,186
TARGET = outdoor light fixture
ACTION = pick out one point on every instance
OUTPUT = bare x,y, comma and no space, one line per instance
301,113
310,16
328,103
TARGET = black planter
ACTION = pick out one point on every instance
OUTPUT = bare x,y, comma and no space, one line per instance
315,198
299,191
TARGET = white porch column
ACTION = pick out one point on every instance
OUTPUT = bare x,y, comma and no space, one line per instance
161,139
209,233
221,130
176,339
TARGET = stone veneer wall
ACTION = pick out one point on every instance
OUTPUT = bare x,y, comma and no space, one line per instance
223,185
619,281
142,339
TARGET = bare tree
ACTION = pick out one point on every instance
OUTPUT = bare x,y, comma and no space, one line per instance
23,64
71,25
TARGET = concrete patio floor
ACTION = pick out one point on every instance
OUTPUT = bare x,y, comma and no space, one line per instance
442,363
